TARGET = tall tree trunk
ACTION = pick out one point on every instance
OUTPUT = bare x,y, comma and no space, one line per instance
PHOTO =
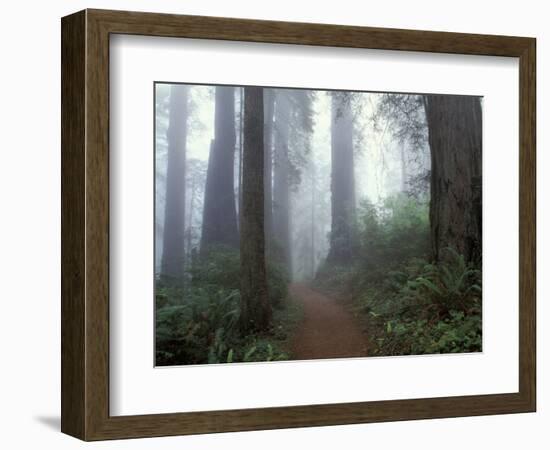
255,306
454,126
240,151
219,226
173,252
342,182
312,170
191,210
281,182
269,107
241,139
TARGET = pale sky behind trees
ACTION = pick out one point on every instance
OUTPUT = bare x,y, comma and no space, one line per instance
377,151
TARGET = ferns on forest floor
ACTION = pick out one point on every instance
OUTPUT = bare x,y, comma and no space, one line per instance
204,330
408,305
197,324
425,308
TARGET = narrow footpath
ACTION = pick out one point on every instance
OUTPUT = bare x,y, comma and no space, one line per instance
328,330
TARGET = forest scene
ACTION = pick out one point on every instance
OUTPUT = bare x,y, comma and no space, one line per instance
296,224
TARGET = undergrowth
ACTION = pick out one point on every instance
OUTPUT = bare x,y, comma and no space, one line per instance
408,305
198,323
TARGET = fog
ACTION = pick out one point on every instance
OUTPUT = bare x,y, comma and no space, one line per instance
308,224
388,159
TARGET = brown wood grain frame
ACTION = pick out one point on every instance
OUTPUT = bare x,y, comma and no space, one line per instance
85,224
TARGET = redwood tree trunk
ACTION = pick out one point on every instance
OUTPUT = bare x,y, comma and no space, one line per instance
173,254
269,106
219,226
342,182
312,254
281,182
454,125
240,174
255,306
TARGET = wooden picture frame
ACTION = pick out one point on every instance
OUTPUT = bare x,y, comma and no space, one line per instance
85,224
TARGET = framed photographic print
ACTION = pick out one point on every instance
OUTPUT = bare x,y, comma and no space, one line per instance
270,224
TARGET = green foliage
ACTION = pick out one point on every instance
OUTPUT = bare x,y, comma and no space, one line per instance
452,284
263,350
391,234
455,334
202,328
221,269
408,305
277,283
388,236
197,324
426,308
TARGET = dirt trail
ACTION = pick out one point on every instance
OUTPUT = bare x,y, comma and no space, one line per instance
328,330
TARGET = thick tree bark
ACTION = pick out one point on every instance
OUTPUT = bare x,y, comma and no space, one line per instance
281,182
219,226
455,125
342,182
312,174
269,107
255,306
240,175
173,254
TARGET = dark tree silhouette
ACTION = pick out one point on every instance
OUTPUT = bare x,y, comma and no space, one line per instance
454,127
219,226
269,107
173,254
282,181
255,306
342,180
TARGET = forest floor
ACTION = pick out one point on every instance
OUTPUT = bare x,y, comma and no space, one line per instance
328,330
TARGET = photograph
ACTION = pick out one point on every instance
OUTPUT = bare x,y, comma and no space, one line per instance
300,224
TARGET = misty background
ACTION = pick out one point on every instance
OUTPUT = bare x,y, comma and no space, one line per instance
385,163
